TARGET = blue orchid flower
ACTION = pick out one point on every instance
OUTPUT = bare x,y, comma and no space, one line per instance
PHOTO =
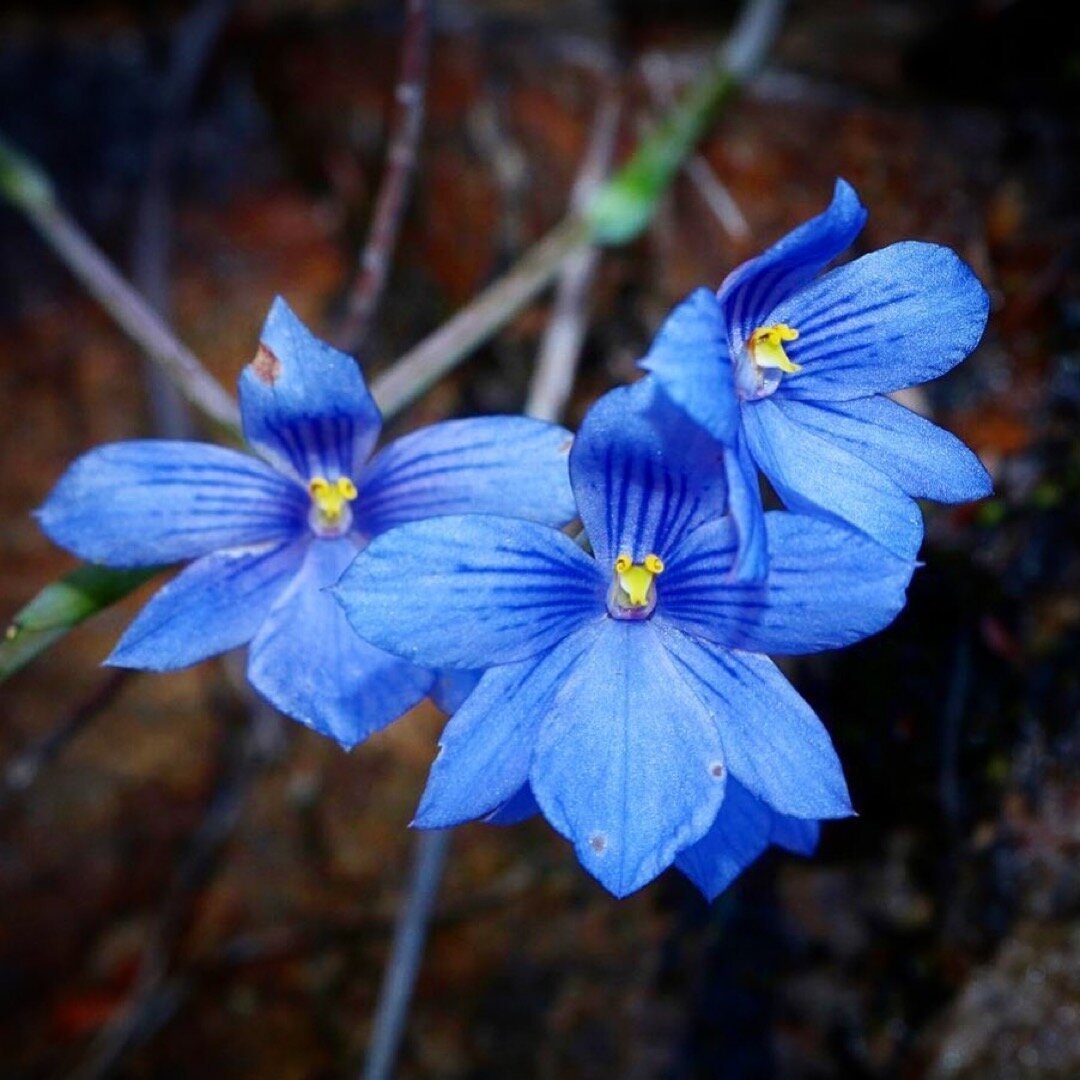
626,686
789,370
269,536
744,828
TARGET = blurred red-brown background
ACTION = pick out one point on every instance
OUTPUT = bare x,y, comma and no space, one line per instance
934,935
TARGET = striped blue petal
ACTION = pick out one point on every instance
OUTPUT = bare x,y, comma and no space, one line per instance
628,763
451,688
307,661
486,748
305,406
772,742
643,474
922,459
798,835
744,827
470,591
740,833
746,510
508,465
828,587
814,475
752,291
689,359
894,318
145,502
216,604
516,809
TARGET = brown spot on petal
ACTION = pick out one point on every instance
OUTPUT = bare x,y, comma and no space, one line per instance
266,365
716,769
598,842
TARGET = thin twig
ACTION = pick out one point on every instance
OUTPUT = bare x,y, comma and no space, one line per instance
21,772
656,69
194,40
420,368
553,377
128,308
155,996
370,282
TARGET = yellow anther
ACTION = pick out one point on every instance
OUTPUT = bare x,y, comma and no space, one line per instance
636,579
766,347
330,498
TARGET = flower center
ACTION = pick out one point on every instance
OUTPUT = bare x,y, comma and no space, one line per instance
763,362
330,514
633,594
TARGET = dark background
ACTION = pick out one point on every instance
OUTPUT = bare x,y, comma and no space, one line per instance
933,935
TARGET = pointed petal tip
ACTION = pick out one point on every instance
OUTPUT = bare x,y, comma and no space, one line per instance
126,657
280,314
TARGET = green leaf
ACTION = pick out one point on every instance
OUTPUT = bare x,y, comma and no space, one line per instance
21,181
61,606
625,205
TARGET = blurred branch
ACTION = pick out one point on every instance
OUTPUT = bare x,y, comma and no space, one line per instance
27,187
560,347
656,70
21,772
193,43
370,282
420,368
156,996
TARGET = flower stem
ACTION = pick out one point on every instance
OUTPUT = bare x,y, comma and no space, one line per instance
410,934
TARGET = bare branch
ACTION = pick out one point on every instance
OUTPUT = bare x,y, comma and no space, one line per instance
370,282
556,365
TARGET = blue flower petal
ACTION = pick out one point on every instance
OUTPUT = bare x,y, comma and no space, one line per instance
643,475
689,359
486,748
304,405
215,604
308,663
146,502
747,512
924,460
628,763
894,318
797,835
451,688
740,833
516,809
508,465
773,743
470,591
752,291
812,563
814,475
